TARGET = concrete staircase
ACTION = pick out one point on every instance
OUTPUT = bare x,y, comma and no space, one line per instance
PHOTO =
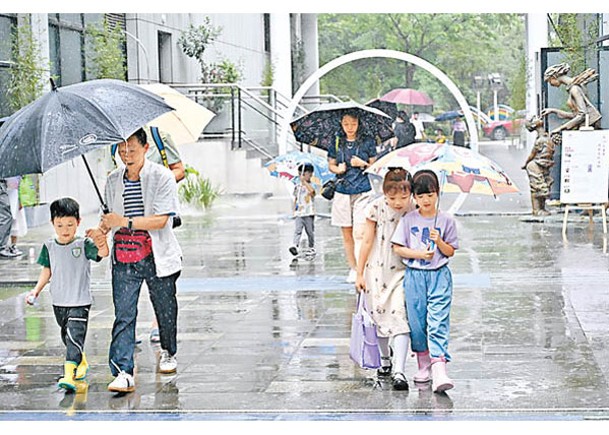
236,172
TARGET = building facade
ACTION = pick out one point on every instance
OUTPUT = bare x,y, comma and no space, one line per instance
152,54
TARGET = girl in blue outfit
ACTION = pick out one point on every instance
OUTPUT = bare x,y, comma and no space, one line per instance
426,238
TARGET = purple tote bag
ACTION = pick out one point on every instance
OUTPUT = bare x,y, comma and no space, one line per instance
363,347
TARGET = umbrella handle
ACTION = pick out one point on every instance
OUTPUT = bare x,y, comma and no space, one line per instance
439,196
104,207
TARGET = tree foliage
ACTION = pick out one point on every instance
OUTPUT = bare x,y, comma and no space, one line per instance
106,59
575,34
27,73
460,45
195,40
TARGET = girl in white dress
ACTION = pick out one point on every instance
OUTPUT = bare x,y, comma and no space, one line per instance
380,273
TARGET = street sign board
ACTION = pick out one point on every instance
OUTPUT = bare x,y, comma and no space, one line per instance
584,175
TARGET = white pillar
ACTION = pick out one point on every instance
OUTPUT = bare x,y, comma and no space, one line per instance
605,28
310,42
478,111
536,38
40,30
281,53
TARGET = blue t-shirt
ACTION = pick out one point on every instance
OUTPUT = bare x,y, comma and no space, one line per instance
354,180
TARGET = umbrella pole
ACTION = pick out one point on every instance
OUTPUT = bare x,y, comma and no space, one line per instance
435,219
101,200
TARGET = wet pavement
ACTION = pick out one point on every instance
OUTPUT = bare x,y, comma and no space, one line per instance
261,337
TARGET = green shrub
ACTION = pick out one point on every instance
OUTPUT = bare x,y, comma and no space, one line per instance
198,191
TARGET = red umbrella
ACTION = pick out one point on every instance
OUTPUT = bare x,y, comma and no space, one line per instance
407,96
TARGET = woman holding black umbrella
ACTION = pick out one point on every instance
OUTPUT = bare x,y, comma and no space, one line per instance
348,158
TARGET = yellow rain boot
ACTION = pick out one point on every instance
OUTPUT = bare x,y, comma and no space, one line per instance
67,382
82,369
79,399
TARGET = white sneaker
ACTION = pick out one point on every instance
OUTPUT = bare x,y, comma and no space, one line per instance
352,276
13,249
167,363
7,253
123,383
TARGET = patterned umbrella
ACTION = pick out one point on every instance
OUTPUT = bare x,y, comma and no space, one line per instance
390,109
286,166
407,96
320,126
459,169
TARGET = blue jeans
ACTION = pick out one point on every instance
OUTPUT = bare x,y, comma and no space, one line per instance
127,281
428,295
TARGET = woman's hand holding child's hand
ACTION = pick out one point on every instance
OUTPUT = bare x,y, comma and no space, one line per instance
97,235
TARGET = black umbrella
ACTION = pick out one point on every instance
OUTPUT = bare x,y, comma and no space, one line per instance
391,109
320,126
70,121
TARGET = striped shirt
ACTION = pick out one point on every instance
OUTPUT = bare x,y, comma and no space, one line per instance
132,198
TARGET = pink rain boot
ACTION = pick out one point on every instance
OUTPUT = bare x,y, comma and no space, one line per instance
424,373
440,380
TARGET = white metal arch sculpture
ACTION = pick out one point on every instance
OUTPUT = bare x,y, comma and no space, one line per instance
365,54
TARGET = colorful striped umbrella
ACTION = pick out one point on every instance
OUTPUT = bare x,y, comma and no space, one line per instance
460,170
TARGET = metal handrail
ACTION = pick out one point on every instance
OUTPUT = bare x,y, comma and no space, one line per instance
257,147
238,91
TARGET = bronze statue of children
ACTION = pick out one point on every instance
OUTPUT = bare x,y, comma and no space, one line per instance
538,165
582,110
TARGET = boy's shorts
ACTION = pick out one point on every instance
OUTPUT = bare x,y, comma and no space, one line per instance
349,210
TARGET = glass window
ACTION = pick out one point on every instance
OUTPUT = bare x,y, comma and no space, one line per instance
72,65
6,37
7,24
5,109
54,53
73,19
165,63
267,32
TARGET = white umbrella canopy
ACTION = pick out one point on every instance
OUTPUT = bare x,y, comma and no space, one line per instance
186,123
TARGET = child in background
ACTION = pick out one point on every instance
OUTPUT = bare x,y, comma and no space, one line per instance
426,238
304,209
440,137
380,273
65,259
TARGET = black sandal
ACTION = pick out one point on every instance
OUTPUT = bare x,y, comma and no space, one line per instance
399,381
384,369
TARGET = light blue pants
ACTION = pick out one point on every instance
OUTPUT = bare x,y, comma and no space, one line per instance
428,295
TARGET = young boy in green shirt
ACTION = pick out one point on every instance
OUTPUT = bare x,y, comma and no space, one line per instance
66,259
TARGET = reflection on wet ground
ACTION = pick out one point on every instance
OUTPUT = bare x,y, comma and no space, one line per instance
262,337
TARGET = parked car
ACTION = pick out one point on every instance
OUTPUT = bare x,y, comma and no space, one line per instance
500,130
